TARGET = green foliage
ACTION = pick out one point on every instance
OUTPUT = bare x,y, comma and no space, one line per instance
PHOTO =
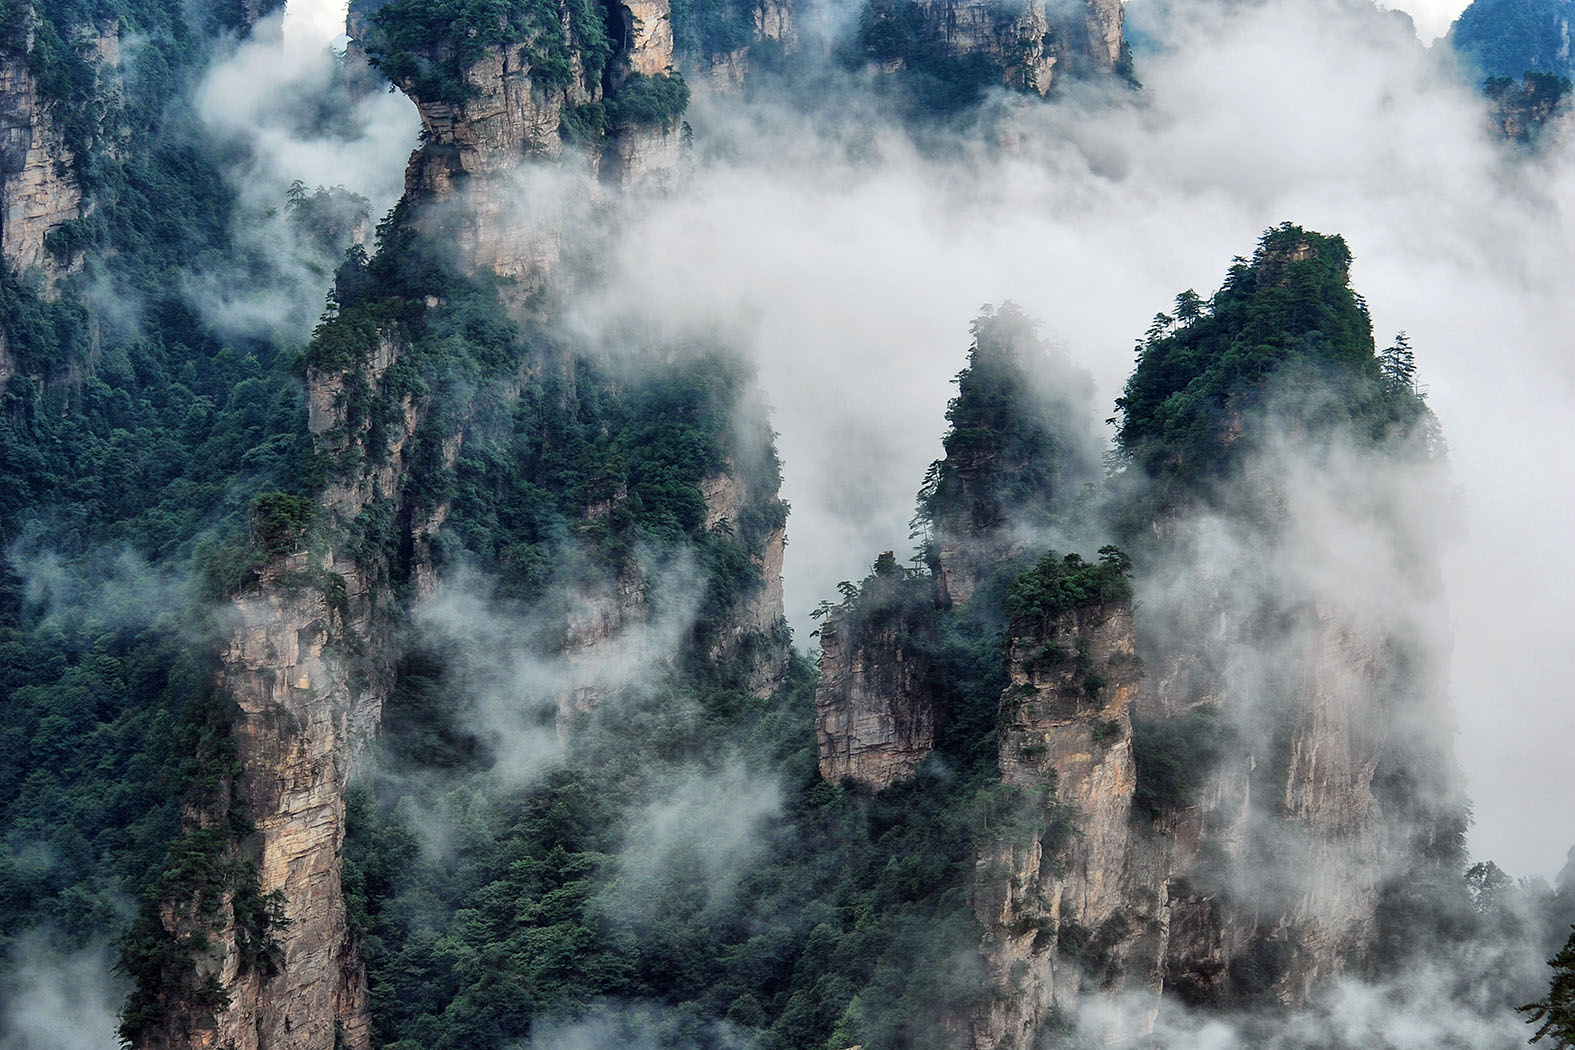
280,522
1007,448
1058,584
710,28
132,442
431,46
1284,330
1506,38
648,101
848,922
584,123
1174,756
1554,1013
933,81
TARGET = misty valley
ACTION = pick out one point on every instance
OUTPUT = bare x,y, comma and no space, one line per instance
785,525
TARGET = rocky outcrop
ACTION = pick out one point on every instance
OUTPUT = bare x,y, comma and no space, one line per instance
462,174
1278,869
40,191
648,29
300,723
643,158
1521,111
1030,44
512,112
719,68
308,662
1063,906
755,635
606,643
876,705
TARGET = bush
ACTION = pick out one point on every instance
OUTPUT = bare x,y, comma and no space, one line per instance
280,522
1058,584
644,101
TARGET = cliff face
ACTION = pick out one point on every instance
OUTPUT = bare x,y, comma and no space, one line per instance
876,704
755,634
1521,111
1065,907
1235,824
1278,870
471,149
308,662
723,66
39,188
513,113
1030,44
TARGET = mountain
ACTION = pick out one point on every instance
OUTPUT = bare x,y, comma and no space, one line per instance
1508,38
1213,826
424,680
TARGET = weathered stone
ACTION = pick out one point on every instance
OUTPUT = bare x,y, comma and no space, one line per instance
1066,740
39,188
876,710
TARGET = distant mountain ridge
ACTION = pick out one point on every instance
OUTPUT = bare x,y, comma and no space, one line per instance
1507,38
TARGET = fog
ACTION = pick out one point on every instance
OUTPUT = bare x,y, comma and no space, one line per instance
851,262
283,112
57,1000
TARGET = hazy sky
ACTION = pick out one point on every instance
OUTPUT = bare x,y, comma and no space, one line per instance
313,23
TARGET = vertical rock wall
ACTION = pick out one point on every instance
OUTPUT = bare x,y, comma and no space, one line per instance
39,187
308,662
1062,907
876,706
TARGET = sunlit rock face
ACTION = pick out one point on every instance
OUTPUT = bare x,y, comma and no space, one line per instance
876,707
40,192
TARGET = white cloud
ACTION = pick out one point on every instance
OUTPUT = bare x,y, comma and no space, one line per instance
852,262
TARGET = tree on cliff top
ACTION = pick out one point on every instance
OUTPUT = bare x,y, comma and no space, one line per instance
1018,437
1285,328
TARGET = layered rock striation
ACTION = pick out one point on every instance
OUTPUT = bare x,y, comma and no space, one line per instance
877,704
309,659
1028,45
601,100
41,190
1066,907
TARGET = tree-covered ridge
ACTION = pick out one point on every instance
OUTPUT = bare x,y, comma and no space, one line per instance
1285,332
850,923
1012,448
131,446
430,47
1016,446
1508,38
1059,584
565,460
846,922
